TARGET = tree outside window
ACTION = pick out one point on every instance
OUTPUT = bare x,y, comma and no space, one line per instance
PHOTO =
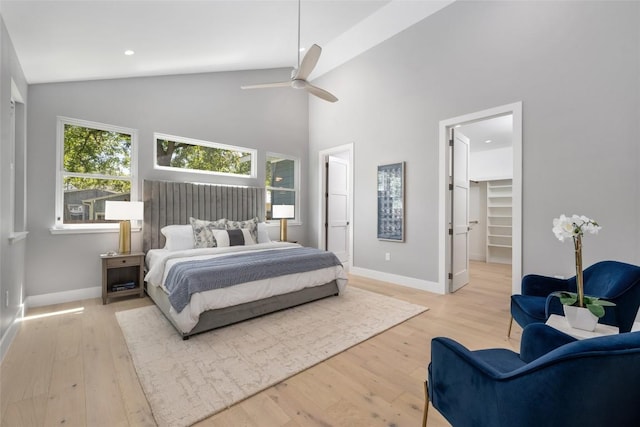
96,166
280,182
203,156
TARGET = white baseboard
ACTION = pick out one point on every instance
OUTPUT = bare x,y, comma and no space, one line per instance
62,297
410,282
477,257
10,334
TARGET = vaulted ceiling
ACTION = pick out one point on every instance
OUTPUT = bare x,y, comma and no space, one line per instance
86,39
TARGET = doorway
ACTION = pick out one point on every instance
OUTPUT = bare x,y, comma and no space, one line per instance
336,204
454,255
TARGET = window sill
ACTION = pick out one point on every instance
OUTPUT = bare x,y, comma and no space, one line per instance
89,230
16,236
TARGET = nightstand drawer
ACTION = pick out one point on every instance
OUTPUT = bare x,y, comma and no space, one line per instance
123,262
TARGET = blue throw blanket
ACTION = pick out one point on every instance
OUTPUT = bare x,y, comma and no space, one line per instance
188,277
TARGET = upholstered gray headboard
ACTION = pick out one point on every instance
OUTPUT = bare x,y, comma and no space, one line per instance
168,203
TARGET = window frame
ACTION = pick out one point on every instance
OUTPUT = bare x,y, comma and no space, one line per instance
296,188
181,139
59,225
17,165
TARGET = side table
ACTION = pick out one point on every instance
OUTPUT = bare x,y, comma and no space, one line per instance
122,275
560,323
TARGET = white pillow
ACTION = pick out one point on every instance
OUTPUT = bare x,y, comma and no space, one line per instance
223,240
203,231
251,224
178,237
263,234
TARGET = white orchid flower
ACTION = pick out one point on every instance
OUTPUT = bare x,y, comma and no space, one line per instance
569,227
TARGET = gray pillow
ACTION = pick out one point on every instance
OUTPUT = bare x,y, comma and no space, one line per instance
251,224
203,231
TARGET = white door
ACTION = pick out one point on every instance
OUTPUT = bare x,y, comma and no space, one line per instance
459,211
337,208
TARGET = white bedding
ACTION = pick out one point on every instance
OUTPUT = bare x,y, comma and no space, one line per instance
159,262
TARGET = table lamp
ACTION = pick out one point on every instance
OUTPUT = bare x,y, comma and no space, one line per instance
283,212
125,212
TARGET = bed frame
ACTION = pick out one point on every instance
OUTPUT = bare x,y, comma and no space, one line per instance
168,203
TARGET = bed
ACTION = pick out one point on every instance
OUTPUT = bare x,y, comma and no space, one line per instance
260,288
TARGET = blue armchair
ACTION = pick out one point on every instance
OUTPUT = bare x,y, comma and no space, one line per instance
554,381
612,280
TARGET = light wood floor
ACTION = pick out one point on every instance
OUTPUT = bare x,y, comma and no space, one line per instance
74,369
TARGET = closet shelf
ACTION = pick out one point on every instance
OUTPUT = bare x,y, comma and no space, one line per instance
499,218
492,245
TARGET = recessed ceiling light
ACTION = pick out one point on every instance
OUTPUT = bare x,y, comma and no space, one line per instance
129,52
487,141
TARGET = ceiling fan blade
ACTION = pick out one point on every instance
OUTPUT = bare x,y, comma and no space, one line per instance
308,62
266,85
320,93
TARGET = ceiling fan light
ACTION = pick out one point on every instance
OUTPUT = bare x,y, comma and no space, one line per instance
299,75
298,84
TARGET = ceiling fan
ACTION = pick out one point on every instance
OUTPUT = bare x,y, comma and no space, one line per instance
299,75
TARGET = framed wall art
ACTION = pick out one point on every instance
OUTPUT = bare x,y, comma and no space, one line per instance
391,202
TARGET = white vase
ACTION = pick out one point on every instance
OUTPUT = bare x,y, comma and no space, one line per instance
580,317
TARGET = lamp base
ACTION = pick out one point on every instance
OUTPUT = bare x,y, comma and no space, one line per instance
124,246
283,229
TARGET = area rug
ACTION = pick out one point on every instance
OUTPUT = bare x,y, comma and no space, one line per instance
187,381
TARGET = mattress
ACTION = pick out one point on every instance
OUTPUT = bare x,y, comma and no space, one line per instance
160,261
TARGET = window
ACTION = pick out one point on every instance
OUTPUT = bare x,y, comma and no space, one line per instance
175,152
281,182
17,165
96,163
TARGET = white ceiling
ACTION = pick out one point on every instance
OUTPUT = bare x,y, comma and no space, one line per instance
85,39
498,130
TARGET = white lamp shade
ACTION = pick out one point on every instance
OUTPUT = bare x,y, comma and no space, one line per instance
283,211
123,210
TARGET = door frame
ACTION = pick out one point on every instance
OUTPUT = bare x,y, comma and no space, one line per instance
322,177
515,109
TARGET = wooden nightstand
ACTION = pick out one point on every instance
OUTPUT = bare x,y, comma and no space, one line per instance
122,275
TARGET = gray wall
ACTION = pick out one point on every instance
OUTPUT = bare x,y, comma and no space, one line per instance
574,65
12,255
209,107
576,68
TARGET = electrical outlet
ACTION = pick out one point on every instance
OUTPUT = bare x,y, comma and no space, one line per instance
387,256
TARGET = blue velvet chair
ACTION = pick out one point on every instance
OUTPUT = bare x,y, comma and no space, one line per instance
556,380
612,280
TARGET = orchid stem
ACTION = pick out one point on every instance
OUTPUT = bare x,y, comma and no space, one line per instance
577,243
